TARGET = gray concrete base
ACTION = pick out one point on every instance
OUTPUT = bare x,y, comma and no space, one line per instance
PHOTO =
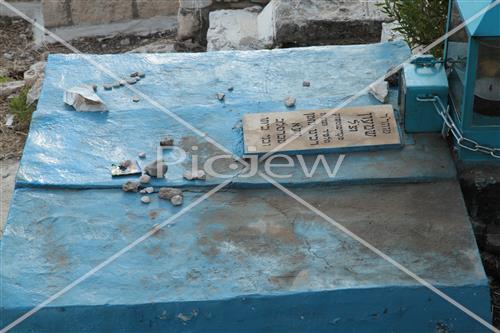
8,170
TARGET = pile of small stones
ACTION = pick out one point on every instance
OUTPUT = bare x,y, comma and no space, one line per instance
134,78
158,169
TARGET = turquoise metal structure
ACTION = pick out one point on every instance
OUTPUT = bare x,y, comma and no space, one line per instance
421,79
472,58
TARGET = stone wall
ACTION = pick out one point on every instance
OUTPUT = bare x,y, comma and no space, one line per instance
193,16
58,13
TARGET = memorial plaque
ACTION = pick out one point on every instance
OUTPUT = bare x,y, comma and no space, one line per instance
356,127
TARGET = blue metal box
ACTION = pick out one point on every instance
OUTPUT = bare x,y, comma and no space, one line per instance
422,81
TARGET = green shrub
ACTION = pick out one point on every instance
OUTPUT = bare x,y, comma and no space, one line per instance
4,79
421,21
19,107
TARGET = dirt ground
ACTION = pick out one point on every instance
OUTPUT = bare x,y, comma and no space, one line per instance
17,53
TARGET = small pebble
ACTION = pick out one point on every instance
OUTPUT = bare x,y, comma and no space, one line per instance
290,102
166,142
156,169
136,99
142,154
145,199
168,193
141,74
149,189
107,86
177,200
125,164
306,84
131,186
116,84
131,81
122,82
221,96
199,175
230,89
134,74
144,179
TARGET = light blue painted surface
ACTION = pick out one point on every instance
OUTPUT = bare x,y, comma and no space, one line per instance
246,259
75,150
487,24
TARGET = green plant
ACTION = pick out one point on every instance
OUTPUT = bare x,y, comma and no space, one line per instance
4,79
19,107
421,21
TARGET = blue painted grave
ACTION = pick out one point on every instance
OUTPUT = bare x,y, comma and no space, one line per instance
249,258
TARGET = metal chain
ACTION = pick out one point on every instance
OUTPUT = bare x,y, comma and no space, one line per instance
450,126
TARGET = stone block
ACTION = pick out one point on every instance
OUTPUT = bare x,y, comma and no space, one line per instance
319,22
100,11
239,30
56,13
151,8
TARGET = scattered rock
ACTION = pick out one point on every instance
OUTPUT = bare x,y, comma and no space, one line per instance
94,87
134,74
142,154
290,102
136,99
125,164
34,72
116,84
380,90
141,74
145,199
125,41
306,83
131,186
198,175
122,82
131,81
84,98
107,86
230,89
221,96
166,142
9,120
168,193
149,189
144,179
10,87
156,169
177,200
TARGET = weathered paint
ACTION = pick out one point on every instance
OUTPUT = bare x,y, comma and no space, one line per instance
247,259
75,150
